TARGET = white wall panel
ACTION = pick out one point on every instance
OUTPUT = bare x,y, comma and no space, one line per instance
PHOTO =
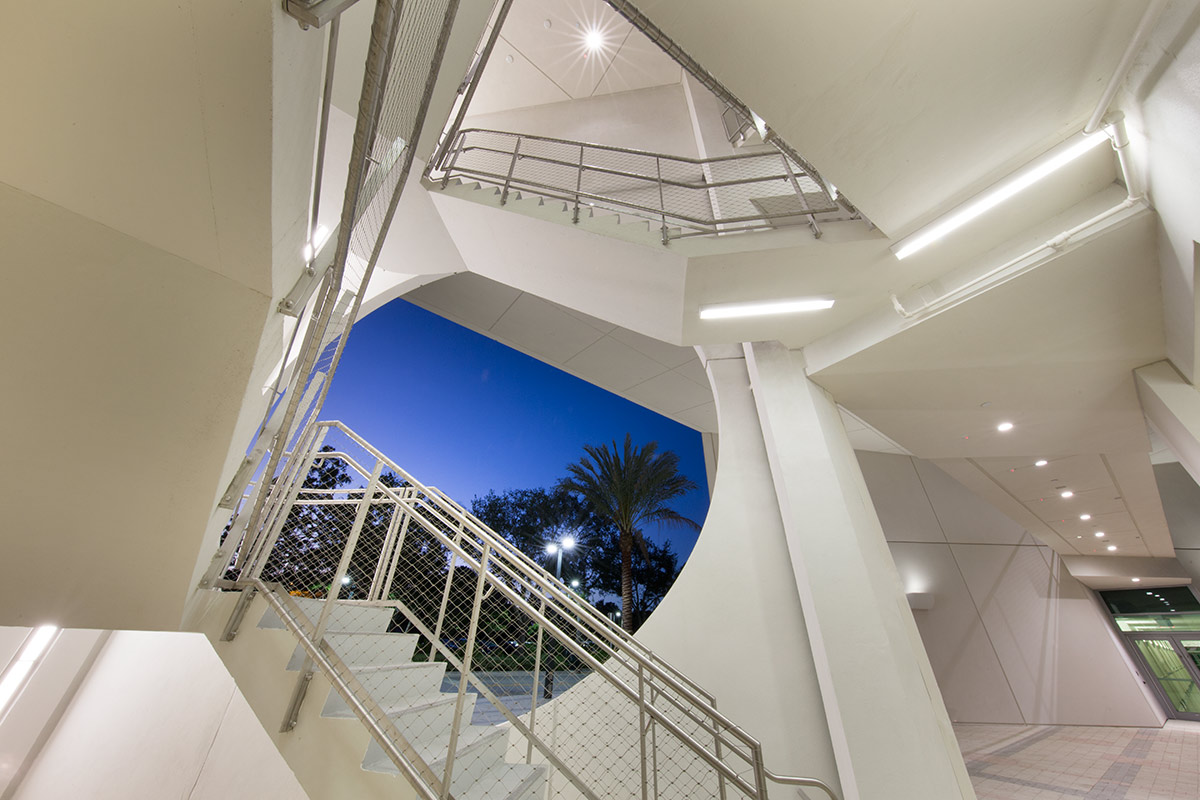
969,674
963,516
1012,637
157,715
899,498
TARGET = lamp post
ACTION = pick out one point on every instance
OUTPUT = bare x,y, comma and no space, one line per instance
555,548
566,543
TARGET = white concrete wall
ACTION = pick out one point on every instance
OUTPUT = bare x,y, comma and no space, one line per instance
151,177
1012,637
1163,104
655,119
136,714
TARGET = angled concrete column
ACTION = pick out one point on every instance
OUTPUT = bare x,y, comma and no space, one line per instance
732,621
888,726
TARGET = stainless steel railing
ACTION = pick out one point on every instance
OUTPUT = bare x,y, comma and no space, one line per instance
755,190
592,712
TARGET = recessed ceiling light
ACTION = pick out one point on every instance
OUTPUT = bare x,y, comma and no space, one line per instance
1041,462
1066,493
1079,537
1136,580
593,40
1004,427
1099,534
989,199
764,307
1112,547
1085,517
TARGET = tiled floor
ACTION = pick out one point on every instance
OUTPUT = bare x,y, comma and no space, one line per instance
1041,762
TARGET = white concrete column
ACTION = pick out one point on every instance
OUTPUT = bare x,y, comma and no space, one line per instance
890,733
732,621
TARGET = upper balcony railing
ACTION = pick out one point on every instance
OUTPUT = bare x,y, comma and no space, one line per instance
747,191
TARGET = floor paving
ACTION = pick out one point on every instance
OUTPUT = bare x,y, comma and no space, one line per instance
1050,762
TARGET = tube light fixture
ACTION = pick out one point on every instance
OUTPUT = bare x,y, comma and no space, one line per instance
22,666
762,308
1022,179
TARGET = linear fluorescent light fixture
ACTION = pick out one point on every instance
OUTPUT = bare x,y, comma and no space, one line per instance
762,308
21,667
1033,172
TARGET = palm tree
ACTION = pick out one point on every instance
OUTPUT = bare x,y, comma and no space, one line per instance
630,487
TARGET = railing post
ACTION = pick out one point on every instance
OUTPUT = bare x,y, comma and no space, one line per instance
468,654
260,554
642,730
385,552
812,218
391,575
360,518
662,203
537,674
511,168
578,186
459,141
306,670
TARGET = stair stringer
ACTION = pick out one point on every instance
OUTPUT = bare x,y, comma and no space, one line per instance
325,753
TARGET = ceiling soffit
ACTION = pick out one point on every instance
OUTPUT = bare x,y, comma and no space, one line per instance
541,57
910,107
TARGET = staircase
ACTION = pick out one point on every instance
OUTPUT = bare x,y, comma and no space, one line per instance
410,693
377,628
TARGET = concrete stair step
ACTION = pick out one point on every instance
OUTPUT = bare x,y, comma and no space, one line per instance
366,650
345,617
475,742
400,686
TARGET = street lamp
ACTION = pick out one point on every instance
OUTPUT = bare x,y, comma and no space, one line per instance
566,543
556,548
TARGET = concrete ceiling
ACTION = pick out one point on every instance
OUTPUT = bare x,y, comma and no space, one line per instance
662,377
541,57
927,104
909,107
1053,353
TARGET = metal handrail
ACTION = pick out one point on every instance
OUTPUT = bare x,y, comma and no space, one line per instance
690,204
398,750
543,577
503,569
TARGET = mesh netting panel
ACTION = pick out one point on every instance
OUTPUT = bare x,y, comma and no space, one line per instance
496,675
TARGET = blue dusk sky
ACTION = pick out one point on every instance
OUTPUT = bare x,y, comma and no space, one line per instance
470,415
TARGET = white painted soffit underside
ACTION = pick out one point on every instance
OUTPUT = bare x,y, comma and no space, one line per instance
909,108
541,57
665,378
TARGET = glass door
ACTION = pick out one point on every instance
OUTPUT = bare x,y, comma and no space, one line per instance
1174,662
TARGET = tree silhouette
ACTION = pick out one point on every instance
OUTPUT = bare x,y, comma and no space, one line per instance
630,486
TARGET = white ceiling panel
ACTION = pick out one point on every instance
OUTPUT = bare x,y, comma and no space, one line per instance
474,303
694,371
613,365
639,64
671,392
539,327
669,355
559,50
514,83
702,417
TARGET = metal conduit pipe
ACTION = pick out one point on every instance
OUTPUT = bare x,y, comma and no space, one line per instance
1140,35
